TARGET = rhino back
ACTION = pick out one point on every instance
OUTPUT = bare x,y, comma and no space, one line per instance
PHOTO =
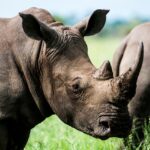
140,104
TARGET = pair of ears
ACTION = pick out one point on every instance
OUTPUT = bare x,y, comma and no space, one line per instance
39,31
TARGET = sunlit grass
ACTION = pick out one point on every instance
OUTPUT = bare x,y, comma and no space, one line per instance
101,49
52,134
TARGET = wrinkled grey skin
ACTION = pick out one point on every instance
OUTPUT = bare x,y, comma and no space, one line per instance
45,70
139,107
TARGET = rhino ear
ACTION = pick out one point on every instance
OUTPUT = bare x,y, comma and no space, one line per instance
36,29
93,24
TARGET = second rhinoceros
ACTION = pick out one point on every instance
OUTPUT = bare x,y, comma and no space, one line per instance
139,107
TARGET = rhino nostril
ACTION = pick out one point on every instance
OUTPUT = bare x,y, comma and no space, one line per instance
104,124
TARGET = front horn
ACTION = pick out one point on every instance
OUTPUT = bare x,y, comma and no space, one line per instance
133,72
127,81
135,69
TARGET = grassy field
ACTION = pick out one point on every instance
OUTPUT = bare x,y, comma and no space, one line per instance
52,134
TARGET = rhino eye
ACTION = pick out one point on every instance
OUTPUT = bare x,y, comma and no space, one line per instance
76,88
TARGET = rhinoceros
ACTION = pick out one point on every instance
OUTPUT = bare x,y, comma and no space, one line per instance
45,70
139,106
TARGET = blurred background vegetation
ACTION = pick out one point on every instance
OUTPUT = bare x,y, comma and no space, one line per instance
116,27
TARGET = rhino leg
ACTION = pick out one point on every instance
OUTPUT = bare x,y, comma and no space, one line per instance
12,136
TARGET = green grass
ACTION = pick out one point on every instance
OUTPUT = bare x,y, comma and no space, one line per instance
133,142
146,145
52,134
101,49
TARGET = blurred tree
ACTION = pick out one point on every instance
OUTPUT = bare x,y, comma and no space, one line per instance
117,28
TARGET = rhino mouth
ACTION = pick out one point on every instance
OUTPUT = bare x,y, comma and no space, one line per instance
119,125
111,121
113,125
110,125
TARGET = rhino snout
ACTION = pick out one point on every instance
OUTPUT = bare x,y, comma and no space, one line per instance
113,126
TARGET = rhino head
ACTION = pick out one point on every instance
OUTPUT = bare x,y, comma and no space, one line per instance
86,98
